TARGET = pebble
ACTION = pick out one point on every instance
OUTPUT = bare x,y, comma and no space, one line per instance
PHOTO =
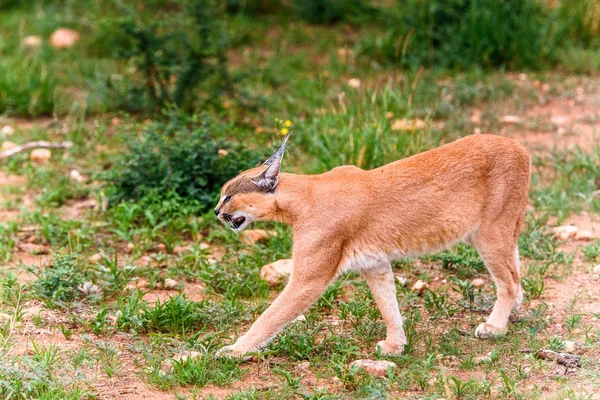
7,130
276,271
584,235
161,247
253,236
166,367
95,258
408,124
130,247
511,119
222,153
565,232
420,286
171,284
374,367
32,41
477,283
597,269
300,318
568,346
40,155
63,38
179,250
354,83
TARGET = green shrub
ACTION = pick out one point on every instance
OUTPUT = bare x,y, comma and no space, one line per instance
180,59
178,163
328,11
463,33
58,284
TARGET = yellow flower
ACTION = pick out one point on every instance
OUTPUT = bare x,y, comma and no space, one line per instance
288,123
284,131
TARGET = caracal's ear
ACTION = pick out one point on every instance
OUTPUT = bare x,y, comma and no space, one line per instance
269,178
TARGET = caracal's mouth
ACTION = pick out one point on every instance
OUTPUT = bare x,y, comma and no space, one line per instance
236,223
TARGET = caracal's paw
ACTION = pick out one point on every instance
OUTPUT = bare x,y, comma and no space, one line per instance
487,331
390,348
232,352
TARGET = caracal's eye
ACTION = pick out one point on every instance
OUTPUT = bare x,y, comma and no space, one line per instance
226,199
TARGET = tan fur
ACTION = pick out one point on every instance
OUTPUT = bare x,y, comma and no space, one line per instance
474,189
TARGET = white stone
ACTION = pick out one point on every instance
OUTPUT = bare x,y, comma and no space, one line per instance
568,346
511,119
64,38
275,272
374,367
32,41
477,283
420,286
597,269
584,235
171,284
403,281
354,83
7,130
40,155
565,231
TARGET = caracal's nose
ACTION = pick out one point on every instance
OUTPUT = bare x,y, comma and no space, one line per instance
217,212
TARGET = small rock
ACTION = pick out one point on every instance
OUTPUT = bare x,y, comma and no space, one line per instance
40,155
141,284
204,246
144,261
344,53
597,269
88,288
115,121
522,77
477,283
76,175
171,284
476,119
584,235
374,367
161,247
179,250
222,153
166,367
444,281
275,272
300,318
565,232
7,130
568,346
304,366
559,120
477,131
31,312
95,258
7,144
403,281
256,235
420,286
546,87
511,119
408,124
482,360
32,41
33,248
577,331
354,83
130,247
64,38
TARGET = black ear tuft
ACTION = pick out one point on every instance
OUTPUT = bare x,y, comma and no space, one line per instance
269,178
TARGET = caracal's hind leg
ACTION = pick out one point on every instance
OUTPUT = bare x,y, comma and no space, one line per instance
381,283
498,249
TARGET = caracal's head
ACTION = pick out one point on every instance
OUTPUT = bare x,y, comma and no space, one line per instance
250,196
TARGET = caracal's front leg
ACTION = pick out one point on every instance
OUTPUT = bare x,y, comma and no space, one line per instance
381,283
307,283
